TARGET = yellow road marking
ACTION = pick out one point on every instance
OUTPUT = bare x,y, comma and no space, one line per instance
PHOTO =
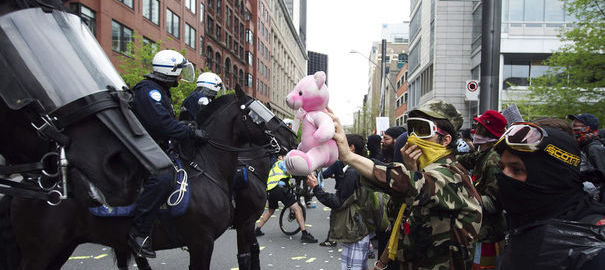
80,257
100,256
299,258
308,225
262,247
311,260
327,209
236,268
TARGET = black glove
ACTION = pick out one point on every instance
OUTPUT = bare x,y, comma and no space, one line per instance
200,134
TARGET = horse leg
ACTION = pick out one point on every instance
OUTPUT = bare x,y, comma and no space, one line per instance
255,252
142,263
122,258
200,255
245,234
62,257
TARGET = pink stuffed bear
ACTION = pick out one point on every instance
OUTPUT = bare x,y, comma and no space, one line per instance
316,149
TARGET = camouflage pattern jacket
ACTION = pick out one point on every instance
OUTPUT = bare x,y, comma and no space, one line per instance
485,167
443,213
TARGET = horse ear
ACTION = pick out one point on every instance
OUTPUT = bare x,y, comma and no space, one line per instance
239,92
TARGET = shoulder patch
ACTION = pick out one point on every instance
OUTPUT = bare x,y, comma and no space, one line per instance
155,95
203,101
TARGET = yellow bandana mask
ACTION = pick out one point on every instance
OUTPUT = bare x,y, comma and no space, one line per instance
431,151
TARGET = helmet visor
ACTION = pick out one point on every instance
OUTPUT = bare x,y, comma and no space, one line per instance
422,128
524,137
188,73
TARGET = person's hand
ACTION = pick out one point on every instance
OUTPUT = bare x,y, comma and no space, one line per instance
201,135
281,184
410,154
344,152
311,181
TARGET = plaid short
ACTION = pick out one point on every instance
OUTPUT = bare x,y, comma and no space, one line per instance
355,255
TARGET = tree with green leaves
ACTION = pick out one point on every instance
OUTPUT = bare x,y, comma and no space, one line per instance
575,82
138,63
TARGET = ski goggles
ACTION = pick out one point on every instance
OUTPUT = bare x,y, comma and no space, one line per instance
423,128
523,137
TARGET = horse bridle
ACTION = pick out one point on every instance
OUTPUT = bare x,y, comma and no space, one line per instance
50,127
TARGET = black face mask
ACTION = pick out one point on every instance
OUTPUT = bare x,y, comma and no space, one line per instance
551,189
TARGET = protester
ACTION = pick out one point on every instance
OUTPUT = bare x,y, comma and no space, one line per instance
554,224
374,149
353,235
441,213
484,164
388,142
586,127
334,171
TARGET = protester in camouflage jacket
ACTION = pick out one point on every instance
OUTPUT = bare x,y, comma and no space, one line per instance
443,216
484,164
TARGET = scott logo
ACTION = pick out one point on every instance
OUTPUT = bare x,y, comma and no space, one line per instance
562,155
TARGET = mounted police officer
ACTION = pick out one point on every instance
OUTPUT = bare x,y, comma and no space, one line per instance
153,106
208,85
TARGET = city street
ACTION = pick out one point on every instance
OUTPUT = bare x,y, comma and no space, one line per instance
278,251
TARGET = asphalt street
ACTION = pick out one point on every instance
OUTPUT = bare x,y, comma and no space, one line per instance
278,251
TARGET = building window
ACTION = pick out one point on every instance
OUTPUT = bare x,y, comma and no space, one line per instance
209,54
202,45
219,8
426,84
120,37
201,12
190,36
249,80
229,18
151,10
241,77
249,36
249,58
190,5
210,4
247,15
172,23
234,74
147,41
218,32
210,25
217,63
127,3
88,16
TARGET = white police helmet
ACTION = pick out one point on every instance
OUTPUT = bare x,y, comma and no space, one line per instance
211,81
172,63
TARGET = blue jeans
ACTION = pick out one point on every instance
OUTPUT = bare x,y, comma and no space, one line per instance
155,192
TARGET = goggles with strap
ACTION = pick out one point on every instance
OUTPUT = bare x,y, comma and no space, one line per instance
523,137
423,128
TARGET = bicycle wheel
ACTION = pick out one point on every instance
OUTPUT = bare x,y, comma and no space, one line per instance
287,220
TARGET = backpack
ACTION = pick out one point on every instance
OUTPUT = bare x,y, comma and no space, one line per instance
372,205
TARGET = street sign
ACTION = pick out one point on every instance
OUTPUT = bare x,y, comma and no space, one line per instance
472,90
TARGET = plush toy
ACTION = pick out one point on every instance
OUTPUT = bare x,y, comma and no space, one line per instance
316,148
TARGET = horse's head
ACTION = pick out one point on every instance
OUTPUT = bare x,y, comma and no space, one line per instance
61,86
274,129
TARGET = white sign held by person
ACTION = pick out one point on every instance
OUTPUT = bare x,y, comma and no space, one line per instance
472,90
382,124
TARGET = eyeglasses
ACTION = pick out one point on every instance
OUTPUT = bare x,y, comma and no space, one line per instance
523,136
423,128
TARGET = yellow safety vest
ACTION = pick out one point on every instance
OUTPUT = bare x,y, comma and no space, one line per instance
275,174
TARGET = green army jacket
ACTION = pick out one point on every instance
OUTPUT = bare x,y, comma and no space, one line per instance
485,168
443,213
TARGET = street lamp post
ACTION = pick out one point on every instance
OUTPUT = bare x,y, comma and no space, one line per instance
382,80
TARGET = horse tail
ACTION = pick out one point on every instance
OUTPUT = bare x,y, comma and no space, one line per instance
10,255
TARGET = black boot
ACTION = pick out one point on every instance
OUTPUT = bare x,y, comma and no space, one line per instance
258,232
244,262
307,238
141,245
255,250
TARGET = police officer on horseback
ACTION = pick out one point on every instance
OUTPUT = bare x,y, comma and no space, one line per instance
208,85
152,104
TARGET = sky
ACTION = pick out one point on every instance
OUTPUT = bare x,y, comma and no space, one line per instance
335,28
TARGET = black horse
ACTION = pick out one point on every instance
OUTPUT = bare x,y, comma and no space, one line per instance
249,200
48,235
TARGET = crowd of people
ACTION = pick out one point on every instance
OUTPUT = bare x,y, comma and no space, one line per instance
522,195
518,195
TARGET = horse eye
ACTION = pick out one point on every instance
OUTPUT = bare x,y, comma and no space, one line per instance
300,93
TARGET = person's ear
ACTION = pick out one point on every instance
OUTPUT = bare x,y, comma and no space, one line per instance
447,139
352,148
